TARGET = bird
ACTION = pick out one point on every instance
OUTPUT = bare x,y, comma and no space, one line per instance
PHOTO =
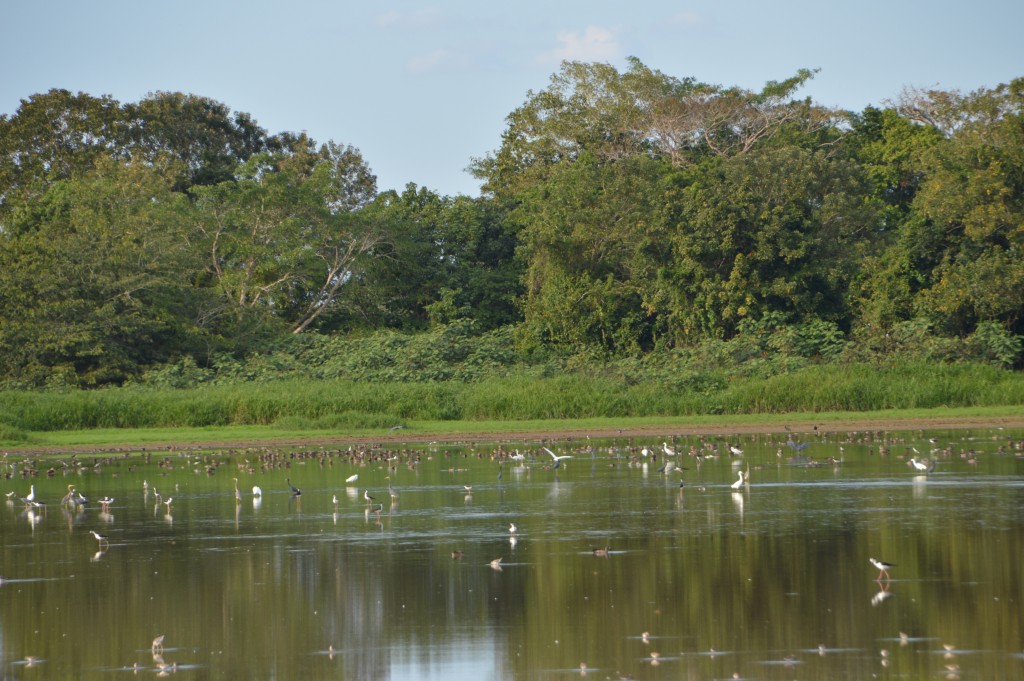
739,482
101,538
645,452
158,644
295,490
366,495
668,450
602,552
334,500
238,494
457,554
512,529
105,502
168,503
256,491
352,478
31,493
392,491
556,457
496,563
883,567
735,451
919,465
797,446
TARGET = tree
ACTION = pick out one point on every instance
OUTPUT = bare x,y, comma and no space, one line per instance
203,134
52,137
94,278
775,231
284,237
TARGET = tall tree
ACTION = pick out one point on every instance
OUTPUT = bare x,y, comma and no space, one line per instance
285,237
94,278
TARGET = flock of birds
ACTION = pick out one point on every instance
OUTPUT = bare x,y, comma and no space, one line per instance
264,460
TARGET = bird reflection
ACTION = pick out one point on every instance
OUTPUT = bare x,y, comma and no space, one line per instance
96,557
882,595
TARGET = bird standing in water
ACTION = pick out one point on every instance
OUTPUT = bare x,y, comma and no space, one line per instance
883,568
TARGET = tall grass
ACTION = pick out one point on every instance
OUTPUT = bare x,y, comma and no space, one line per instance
330,403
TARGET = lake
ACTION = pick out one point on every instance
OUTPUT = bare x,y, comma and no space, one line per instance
615,569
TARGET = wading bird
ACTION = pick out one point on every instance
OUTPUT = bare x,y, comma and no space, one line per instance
101,538
296,492
739,482
883,567
556,457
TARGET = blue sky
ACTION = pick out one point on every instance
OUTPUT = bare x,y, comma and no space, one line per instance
423,87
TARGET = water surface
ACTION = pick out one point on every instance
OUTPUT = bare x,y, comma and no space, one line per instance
698,581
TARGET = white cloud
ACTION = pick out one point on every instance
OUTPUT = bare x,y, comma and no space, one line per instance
428,16
687,19
595,44
428,62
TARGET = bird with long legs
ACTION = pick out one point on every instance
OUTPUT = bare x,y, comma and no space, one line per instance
101,538
392,491
882,567
238,493
366,495
296,492
558,458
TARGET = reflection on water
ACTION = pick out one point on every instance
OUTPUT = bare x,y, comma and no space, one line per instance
502,561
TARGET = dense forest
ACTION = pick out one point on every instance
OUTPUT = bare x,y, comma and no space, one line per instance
625,216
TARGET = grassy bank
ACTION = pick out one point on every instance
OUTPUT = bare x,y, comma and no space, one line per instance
290,407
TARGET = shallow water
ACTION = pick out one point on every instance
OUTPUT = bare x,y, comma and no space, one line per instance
770,581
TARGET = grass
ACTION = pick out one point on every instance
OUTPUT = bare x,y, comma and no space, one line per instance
107,438
581,400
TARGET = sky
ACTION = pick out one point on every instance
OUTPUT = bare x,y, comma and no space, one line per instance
423,88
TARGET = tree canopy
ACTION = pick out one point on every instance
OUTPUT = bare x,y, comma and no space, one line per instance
623,212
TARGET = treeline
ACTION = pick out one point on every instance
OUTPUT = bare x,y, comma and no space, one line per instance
625,215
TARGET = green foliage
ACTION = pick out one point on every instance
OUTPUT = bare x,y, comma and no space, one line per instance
635,226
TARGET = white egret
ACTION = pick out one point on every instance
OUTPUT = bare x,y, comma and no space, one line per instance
735,451
739,482
256,491
352,478
556,457
668,450
919,465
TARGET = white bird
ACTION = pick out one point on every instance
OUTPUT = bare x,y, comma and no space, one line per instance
738,483
256,491
512,529
735,451
518,457
556,457
31,493
882,567
496,563
352,478
919,465
101,538
645,452
668,450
